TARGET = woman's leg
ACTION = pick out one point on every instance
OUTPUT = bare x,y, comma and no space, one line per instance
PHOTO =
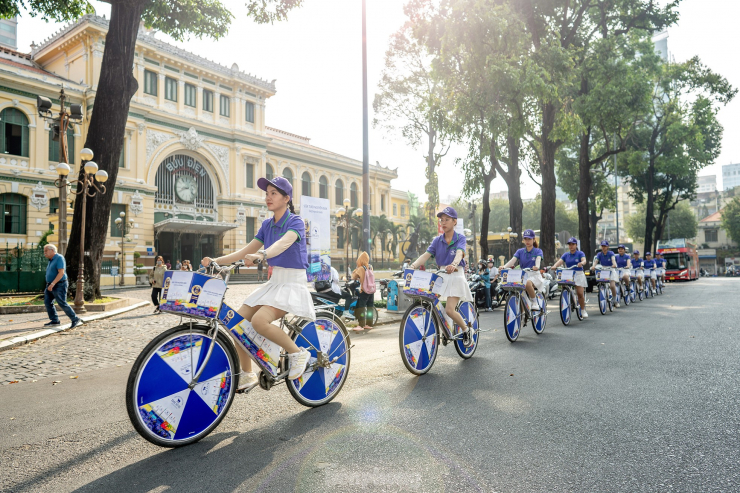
262,319
581,298
530,290
452,302
369,303
155,296
488,297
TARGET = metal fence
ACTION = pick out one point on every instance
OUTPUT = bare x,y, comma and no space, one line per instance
22,269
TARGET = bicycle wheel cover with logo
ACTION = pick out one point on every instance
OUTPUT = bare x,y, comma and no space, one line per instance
319,386
159,403
418,339
512,318
626,295
602,299
468,312
565,307
540,320
633,291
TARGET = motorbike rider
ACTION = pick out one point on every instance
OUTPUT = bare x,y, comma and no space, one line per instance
485,275
575,257
494,276
605,258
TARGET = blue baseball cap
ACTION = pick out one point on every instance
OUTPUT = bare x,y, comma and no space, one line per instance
448,211
278,182
636,252
647,254
528,234
621,246
604,243
573,240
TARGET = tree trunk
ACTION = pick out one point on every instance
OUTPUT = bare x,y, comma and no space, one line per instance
485,213
547,167
432,187
105,135
593,221
584,194
512,178
650,206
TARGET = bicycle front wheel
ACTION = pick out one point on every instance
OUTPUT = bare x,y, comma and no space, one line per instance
602,299
418,339
513,317
160,404
565,306
320,384
540,319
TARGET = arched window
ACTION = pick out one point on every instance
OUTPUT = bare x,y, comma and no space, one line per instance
269,172
339,192
288,175
14,132
13,207
54,146
306,184
323,188
353,195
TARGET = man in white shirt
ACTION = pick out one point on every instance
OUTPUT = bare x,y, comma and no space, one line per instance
335,281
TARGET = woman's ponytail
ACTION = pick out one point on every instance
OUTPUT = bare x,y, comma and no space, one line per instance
535,244
290,206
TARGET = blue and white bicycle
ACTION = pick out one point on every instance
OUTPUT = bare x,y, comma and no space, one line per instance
603,278
182,384
425,322
568,297
518,311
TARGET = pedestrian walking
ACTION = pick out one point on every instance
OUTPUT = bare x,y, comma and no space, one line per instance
156,278
259,271
366,300
178,264
56,288
168,264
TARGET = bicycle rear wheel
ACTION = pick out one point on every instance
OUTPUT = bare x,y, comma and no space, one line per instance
160,404
321,384
418,339
468,312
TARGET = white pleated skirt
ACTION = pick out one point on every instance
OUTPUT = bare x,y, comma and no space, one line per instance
286,290
580,279
456,285
536,278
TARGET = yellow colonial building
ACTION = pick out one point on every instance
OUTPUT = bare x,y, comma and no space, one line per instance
196,142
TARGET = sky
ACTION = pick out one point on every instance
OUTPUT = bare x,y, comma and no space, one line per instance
316,58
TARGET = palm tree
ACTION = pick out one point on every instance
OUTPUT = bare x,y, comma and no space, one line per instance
394,233
378,229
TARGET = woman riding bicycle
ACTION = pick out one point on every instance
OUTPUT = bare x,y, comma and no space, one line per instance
660,266
529,257
448,250
637,264
649,263
605,258
282,240
624,265
576,258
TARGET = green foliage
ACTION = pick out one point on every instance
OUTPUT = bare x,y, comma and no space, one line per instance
564,219
731,219
43,241
264,11
48,10
681,221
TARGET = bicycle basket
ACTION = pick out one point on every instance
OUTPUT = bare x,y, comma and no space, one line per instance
422,283
513,279
566,276
192,294
604,276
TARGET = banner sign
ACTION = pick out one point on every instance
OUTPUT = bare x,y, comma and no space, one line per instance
316,215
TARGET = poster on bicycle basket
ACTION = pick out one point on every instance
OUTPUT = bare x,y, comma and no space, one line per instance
316,215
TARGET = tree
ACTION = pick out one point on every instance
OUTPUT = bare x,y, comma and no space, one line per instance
117,85
681,136
564,219
483,68
409,96
681,221
731,219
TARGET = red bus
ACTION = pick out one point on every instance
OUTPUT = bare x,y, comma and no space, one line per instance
682,260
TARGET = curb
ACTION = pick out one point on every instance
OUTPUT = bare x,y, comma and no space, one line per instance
20,340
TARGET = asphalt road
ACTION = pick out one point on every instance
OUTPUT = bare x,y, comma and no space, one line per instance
643,399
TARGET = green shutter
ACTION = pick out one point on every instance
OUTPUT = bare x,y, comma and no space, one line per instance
250,176
250,229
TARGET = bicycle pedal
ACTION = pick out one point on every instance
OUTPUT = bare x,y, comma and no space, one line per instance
246,390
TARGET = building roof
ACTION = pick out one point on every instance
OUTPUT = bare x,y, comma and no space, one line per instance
713,218
16,59
148,39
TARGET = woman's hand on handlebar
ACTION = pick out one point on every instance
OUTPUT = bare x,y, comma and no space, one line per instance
450,269
206,261
251,259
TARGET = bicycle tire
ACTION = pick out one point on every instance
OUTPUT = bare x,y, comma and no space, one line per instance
469,313
539,321
418,346
513,317
316,388
602,299
565,311
161,406
625,295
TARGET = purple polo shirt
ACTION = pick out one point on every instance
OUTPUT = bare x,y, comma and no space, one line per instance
270,232
572,259
528,259
622,260
605,260
443,252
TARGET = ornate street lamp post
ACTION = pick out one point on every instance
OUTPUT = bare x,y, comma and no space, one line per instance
511,235
86,187
124,227
60,124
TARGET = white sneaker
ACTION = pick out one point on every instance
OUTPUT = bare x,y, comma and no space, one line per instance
616,305
298,363
247,381
584,313
534,305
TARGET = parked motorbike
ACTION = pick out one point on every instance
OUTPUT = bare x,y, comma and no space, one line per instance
383,283
329,300
478,290
549,286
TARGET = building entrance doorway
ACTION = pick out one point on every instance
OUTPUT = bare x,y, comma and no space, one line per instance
186,246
